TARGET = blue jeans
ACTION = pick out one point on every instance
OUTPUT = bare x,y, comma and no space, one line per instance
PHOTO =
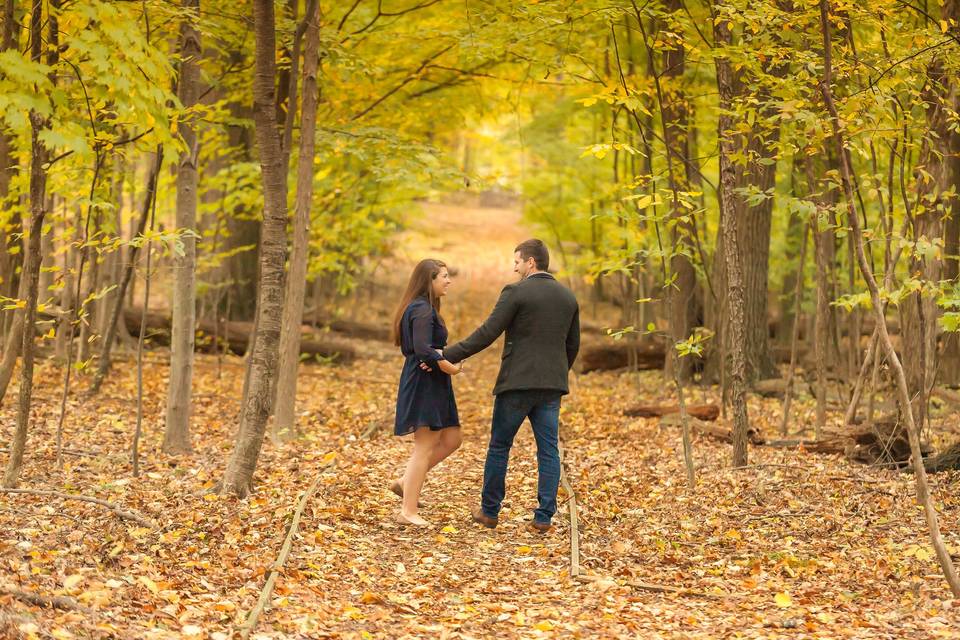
510,409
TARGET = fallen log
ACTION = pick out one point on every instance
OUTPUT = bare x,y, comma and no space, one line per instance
362,330
235,335
774,387
883,442
949,458
610,354
708,412
711,429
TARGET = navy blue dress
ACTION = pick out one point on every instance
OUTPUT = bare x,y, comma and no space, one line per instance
425,398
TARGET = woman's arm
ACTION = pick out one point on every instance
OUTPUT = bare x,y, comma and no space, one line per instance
422,315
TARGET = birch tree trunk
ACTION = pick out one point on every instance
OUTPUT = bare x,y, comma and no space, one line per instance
262,365
176,437
285,422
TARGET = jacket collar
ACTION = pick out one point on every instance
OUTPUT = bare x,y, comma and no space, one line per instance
541,274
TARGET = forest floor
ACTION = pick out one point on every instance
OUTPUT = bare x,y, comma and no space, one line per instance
797,545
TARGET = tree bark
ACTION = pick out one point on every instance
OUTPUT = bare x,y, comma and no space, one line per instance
285,423
754,143
176,437
729,224
38,177
262,365
913,431
949,370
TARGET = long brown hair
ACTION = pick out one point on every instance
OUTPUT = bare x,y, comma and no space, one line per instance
421,284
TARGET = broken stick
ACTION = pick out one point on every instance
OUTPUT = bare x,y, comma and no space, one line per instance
121,513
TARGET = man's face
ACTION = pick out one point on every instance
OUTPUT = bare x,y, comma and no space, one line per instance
521,266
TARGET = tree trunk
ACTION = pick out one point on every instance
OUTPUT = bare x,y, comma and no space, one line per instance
913,429
262,365
176,437
285,422
729,228
754,168
949,372
38,177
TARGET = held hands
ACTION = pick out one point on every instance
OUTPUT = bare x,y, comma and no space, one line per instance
445,366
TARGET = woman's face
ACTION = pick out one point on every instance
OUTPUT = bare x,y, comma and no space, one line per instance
441,283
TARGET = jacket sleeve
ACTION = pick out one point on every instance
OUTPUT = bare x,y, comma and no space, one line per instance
422,315
573,338
500,318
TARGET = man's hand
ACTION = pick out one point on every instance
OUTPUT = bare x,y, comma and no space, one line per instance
425,366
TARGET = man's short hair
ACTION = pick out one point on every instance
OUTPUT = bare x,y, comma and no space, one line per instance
535,249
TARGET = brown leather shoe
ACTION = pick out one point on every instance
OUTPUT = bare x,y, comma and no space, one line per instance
540,527
481,518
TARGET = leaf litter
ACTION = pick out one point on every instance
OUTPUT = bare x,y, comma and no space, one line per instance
795,545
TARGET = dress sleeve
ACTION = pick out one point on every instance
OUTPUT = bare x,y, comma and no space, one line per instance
422,315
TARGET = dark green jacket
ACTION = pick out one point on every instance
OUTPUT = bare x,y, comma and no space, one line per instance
542,321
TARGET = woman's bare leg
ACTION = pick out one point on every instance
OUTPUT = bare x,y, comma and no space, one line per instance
449,441
424,442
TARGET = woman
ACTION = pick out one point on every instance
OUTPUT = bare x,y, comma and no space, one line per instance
425,403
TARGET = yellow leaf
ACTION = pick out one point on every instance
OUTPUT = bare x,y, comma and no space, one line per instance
449,529
370,598
148,583
523,549
783,600
944,26
923,554
71,581
329,457
543,625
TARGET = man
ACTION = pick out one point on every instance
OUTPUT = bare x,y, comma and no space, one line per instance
542,322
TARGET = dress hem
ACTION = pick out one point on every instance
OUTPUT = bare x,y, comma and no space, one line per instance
405,431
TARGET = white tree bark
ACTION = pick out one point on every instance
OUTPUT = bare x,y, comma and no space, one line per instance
176,437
